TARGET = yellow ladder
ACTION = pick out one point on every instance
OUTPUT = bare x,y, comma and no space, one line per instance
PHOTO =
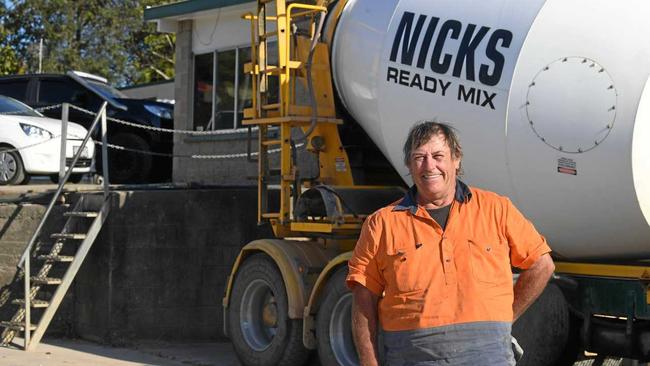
275,109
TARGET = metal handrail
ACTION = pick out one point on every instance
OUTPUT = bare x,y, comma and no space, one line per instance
26,254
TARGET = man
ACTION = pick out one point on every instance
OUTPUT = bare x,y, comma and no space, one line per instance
435,267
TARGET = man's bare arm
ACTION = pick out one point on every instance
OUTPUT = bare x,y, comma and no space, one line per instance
364,325
531,283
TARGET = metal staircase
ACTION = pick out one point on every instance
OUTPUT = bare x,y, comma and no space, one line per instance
60,257
63,258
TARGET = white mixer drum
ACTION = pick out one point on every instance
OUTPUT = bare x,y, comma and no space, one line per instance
548,98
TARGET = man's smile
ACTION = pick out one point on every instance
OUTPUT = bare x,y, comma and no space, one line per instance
431,176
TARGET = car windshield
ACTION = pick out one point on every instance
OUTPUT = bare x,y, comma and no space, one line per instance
14,107
105,90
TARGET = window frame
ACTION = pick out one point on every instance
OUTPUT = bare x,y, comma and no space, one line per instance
235,105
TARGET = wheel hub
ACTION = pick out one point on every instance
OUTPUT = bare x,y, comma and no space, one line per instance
270,314
259,315
340,332
7,167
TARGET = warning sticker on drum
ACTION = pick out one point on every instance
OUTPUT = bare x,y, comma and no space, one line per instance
567,166
340,164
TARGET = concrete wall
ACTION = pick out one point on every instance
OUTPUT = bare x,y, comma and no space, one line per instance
17,224
158,268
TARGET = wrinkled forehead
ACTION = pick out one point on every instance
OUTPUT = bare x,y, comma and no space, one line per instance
434,142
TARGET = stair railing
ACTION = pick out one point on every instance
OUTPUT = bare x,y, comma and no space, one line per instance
63,178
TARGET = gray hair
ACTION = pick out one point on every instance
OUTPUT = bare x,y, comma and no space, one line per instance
422,132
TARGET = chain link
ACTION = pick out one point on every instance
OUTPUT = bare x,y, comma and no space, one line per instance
28,146
41,109
190,156
54,106
160,129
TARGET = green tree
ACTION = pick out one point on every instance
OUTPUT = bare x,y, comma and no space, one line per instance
104,37
9,63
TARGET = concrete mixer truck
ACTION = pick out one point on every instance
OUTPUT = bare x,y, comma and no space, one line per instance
552,103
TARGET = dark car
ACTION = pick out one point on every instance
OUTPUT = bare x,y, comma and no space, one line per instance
84,91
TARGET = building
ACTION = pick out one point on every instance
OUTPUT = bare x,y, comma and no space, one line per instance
211,91
210,88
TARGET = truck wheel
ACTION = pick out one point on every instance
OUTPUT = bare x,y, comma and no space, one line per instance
543,330
333,323
11,168
259,325
129,166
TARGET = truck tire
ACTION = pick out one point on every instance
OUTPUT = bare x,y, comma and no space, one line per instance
259,325
543,330
12,170
333,323
129,166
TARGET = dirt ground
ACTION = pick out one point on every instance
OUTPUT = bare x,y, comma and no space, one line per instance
67,352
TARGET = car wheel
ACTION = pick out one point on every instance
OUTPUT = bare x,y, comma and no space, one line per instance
259,325
129,166
12,170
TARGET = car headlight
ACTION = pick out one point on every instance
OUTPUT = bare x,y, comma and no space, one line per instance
159,111
35,131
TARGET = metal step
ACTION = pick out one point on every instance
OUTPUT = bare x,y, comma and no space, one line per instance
33,303
83,214
268,35
16,326
46,281
74,236
56,258
271,142
274,106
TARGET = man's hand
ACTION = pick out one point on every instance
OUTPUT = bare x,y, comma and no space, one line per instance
364,325
531,283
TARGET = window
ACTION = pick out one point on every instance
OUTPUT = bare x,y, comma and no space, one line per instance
221,89
203,90
57,91
224,108
16,89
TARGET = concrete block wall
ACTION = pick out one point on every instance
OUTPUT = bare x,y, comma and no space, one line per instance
226,171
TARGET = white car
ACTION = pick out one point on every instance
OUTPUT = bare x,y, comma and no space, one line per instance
30,144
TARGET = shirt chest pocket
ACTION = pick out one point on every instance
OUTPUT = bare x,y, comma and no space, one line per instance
409,268
490,261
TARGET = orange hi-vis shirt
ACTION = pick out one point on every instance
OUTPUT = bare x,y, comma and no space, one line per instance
428,278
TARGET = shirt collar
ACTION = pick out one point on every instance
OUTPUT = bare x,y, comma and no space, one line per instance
463,194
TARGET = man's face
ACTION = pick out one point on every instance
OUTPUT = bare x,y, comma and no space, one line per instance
433,168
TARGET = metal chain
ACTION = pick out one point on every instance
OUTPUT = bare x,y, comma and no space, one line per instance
54,106
192,156
160,129
17,113
122,148
28,146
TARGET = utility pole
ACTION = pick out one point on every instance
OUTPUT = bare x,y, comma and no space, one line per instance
40,57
